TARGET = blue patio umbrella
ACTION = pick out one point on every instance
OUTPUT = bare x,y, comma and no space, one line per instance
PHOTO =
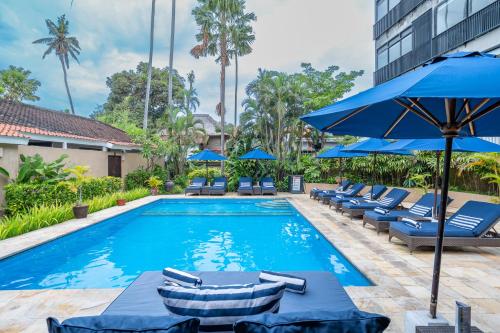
257,154
374,146
206,155
451,96
438,145
336,152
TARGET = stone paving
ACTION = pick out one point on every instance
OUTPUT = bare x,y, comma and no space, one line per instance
402,280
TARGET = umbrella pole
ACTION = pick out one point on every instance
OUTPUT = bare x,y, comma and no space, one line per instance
440,232
206,168
373,175
436,185
340,170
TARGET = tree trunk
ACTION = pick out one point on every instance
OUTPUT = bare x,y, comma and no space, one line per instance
66,84
150,66
223,49
236,90
171,60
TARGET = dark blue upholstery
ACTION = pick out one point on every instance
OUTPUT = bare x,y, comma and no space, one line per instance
196,180
323,292
398,195
245,179
219,180
353,191
488,212
122,324
342,187
350,321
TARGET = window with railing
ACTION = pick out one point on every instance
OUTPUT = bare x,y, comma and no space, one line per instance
396,48
451,12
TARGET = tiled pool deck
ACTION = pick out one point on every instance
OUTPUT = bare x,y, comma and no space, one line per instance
402,279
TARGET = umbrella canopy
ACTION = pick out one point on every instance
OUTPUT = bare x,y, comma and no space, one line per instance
257,154
451,96
374,146
336,152
206,155
459,145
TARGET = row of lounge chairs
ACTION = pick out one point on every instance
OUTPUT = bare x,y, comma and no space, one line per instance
218,186
472,225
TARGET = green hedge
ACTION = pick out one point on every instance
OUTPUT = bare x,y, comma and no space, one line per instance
20,198
138,177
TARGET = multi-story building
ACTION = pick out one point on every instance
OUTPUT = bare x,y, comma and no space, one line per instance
408,33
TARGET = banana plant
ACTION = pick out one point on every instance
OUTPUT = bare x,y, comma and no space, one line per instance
35,169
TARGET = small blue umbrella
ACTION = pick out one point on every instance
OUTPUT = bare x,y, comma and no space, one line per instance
257,154
206,155
438,145
451,96
373,146
336,152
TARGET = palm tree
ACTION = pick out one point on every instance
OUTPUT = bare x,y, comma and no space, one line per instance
62,44
191,101
150,65
242,37
171,59
215,17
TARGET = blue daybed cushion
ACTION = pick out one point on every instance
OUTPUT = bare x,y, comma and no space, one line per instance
391,216
350,321
123,324
429,229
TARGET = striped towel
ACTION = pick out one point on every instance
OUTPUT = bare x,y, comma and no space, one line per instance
411,223
354,201
245,184
181,278
219,184
196,185
381,210
294,284
420,210
267,184
465,221
219,307
385,201
367,195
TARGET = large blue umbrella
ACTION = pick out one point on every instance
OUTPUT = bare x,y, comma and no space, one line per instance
451,96
206,155
374,146
438,145
257,154
336,152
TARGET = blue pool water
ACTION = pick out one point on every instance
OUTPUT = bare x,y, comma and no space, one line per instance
188,234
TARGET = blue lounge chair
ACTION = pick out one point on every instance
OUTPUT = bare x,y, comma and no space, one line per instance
245,186
267,186
337,201
218,187
390,201
324,294
196,186
342,187
349,193
471,225
422,209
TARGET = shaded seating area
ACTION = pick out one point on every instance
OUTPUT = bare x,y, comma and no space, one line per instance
349,193
245,186
471,225
375,192
218,187
196,186
357,208
267,186
420,210
342,187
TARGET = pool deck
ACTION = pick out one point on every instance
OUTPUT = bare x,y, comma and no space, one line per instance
403,280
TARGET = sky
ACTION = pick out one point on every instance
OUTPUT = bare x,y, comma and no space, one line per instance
114,36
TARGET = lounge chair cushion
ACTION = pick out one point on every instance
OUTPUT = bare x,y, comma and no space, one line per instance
429,229
267,184
245,184
393,215
219,307
314,322
124,323
219,184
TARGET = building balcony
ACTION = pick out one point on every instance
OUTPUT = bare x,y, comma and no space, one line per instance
395,15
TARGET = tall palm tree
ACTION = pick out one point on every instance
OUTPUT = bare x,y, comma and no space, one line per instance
171,59
215,17
242,37
191,101
150,65
62,45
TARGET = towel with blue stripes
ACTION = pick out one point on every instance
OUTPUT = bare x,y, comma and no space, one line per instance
381,211
411,223
354,201
177,277
294,284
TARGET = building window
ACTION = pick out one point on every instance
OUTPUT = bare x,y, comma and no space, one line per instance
382,8
394,49
449,13
406,42
393,3
382,57
477,5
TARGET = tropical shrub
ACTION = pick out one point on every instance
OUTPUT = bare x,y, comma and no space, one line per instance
202,172
154,182
20,198
35,169
47,215
139,177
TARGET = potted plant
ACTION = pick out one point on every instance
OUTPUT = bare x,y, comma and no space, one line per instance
80,210
121,201
154,183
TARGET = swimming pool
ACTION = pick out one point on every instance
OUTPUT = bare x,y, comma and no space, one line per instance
188,234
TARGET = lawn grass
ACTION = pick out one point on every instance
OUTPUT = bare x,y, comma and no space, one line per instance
44,216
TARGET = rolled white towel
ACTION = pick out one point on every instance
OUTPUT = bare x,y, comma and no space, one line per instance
294,284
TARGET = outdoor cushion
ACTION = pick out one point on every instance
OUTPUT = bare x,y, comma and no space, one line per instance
219,307
124,323
476,217
393,215
350,321
245,184
267,184
324,292
429,229
219,184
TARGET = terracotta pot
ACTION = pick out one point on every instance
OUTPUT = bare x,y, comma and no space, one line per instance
81,212
121,202
154,191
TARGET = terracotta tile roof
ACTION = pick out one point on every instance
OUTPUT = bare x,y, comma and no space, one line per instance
18,119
